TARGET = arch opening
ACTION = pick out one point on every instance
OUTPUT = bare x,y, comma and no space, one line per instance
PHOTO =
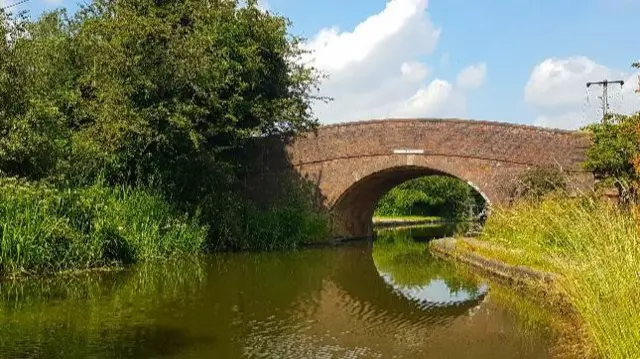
354,209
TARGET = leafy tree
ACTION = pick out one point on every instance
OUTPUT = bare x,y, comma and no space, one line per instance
430,196
151,93
142,86
614,155
34,93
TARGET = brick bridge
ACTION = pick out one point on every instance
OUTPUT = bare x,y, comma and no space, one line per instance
352,165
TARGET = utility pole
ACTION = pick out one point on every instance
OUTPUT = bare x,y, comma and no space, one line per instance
605,94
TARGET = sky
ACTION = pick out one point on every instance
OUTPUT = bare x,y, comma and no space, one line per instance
518,61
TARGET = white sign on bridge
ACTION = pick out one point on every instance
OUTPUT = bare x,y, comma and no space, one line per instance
408,152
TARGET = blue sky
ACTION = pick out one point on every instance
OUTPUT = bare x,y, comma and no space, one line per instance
519,61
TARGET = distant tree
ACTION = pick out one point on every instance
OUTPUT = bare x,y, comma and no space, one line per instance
431,196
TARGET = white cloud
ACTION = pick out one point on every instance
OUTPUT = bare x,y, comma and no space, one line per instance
567,120
472,77
414,71
557,91
374,69
439,99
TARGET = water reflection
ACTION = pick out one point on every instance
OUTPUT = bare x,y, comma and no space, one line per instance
407,265
320,303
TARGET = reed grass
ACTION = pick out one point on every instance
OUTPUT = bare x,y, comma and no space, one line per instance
44,229
595,247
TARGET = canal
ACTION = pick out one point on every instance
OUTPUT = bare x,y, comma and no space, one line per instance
384,299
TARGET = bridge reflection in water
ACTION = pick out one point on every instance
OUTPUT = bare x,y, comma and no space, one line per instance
380,299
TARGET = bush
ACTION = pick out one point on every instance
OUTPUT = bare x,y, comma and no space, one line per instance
536,183
145,92
284,224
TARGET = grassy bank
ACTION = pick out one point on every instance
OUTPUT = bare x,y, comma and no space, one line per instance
43,229
407,219
595,248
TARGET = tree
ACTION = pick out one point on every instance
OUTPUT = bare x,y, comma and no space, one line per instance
161,93
34,94
132,90
614,156
431,196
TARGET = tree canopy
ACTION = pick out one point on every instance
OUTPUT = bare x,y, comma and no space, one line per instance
614,156
160,94
431,196
131,89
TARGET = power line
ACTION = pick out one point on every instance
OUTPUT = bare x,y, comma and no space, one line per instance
14,4
605,94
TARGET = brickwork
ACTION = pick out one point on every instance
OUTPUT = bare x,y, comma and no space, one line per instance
354,164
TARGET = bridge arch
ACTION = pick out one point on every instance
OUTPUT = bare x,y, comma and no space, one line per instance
353,164
353,209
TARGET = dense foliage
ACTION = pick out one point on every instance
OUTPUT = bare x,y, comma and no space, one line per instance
614,156
136,89
431,196
536,183
48,229
160,95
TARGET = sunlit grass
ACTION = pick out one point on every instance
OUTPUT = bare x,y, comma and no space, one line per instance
43,229
377,219
594,246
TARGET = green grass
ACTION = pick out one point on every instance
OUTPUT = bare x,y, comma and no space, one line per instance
284,226
595,247
43,229
377,219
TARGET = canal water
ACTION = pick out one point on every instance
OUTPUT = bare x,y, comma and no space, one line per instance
384,299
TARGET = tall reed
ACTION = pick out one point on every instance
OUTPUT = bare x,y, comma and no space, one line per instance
595,247
44,229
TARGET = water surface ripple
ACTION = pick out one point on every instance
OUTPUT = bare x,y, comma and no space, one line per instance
386,299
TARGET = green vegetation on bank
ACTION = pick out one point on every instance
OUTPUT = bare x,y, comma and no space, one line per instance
48,229
431,196
595,248
392,219
590,242
137,115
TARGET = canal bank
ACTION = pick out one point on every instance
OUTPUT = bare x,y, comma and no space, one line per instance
468,251
539,285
